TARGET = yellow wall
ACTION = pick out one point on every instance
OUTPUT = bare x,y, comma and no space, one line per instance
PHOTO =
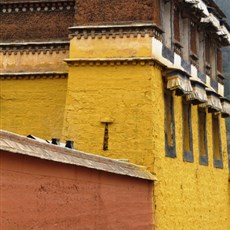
186,195
33,62
118,93
110,47
190,195
33,106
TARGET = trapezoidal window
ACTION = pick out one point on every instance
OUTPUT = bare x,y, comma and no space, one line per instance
216,139
187,132
170,145
202,136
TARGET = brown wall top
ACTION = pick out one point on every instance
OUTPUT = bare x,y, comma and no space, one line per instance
36,21
113,11
29,1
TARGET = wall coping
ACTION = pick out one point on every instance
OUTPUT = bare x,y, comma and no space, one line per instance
32,75
35,5
34,47
110,61
114,30
21,145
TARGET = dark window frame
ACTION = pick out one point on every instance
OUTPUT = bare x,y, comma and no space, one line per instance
193,38
176,23
207,47
216,140
187,131
177,29
219,61
202,136
193,43
169,126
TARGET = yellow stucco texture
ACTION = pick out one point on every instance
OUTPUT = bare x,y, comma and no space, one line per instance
110,47
121,94
187,195
33,62
33,106
190,195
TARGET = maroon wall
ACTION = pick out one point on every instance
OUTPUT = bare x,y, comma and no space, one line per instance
35,26
115,11
40,194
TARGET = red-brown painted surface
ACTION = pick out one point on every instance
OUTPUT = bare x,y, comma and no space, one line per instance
41,194
35,26
117,11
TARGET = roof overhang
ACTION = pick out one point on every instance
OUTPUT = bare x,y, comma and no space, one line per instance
179,81
225,107
198,95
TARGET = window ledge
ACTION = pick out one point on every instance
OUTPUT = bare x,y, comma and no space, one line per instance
188,156
203,160
220,78
208,69
194,59
218,164
178,47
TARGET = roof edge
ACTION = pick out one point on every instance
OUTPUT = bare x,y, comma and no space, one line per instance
18,144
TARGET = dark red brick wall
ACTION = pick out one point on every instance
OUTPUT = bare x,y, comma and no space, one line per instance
116,11
35,26
25,1
40,194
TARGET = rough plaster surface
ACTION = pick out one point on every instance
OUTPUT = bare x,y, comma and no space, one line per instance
34,106
114,11
38,194
41,62
35,26
187,195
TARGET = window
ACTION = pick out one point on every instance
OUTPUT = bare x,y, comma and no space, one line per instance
176,24
201,51
193,38
187,132
217,148
219,61
193,43
185,32
213,61
176,31
170,145
207,55
220,77
202,136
